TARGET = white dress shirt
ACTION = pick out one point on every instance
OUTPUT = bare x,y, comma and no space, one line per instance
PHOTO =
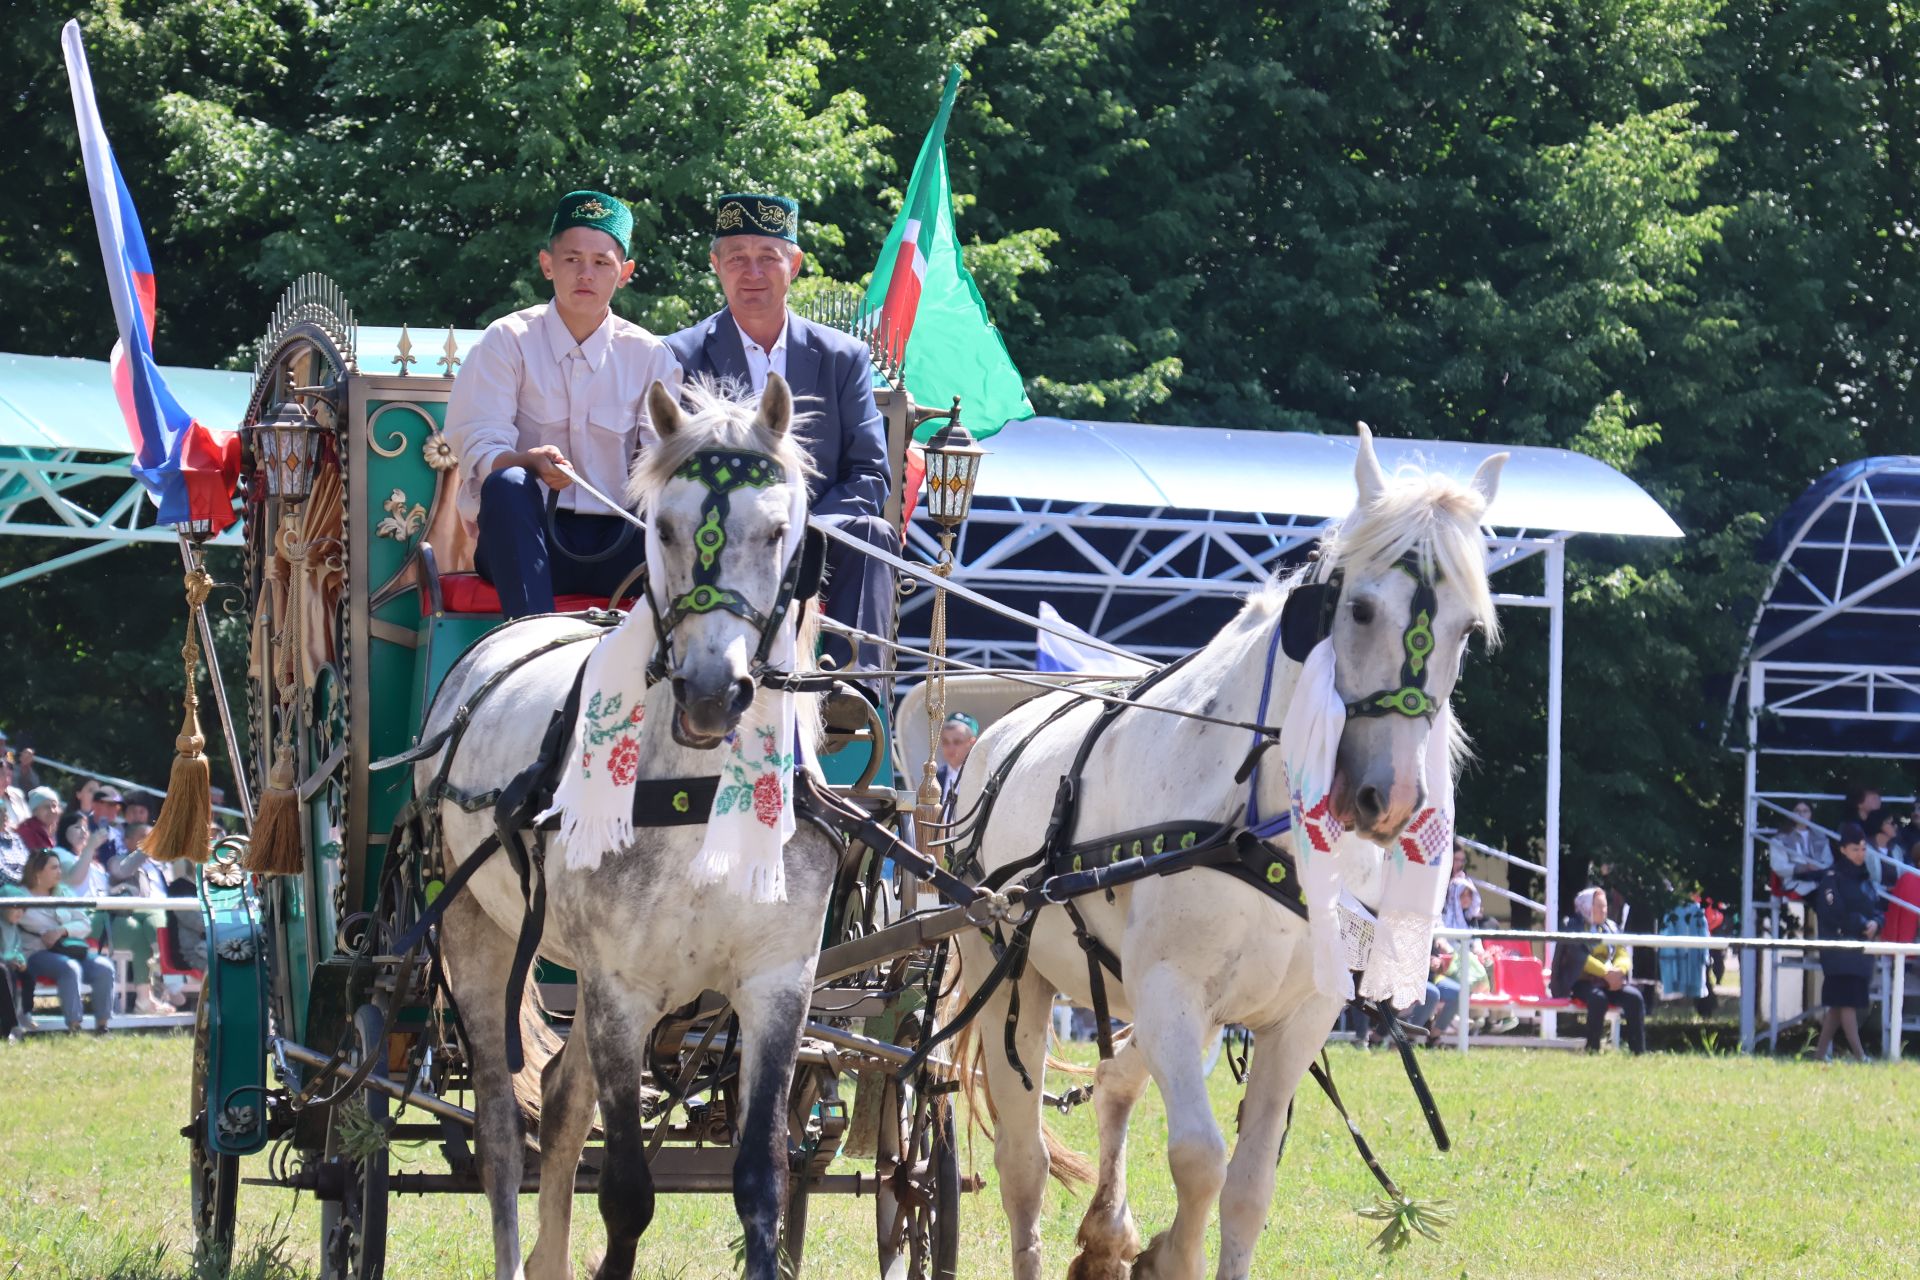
760,360
528,383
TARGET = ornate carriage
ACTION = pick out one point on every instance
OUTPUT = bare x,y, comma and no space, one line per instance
320,1041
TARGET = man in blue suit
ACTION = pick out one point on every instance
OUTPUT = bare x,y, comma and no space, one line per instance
756,253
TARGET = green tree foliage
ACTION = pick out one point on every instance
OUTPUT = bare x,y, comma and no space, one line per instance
1677,235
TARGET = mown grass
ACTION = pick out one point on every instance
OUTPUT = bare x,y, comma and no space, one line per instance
1670,1166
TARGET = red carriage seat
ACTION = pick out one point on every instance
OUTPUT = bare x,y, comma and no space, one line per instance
471,595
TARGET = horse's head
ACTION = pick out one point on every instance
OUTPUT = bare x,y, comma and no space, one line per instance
719,490
1407,586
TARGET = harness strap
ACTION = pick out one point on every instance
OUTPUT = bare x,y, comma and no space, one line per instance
1014,954
1099,958
457,727
1408,1059
520,802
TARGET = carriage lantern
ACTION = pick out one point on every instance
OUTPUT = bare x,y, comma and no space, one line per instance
288,444
953,469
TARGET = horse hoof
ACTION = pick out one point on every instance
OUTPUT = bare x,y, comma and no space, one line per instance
1087,1266
1147,1265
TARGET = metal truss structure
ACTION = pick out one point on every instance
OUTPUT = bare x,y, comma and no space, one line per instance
1161,582
39,498
1832,666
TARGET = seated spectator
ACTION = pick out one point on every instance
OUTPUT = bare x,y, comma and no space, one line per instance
189,927
11,797
104,812
956,742
1800,855
1883,860
13,965
25,776
1436,1013
39,830
135,875
13,851
1601,974
54,939
1849,910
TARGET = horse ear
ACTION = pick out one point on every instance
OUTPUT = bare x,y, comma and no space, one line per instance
662,409
776,405
1486,480
1367,475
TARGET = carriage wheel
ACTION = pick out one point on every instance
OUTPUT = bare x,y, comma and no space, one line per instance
917,1210
215,1178
353,1224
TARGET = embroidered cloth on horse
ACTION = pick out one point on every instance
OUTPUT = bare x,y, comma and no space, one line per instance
1414,877
752,816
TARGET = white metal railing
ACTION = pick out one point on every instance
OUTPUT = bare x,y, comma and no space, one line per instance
120,903
1896,989
123,783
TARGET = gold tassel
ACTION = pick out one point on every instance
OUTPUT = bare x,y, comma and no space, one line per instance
186,815
275,849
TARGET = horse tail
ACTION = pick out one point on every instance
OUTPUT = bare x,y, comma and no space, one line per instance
541,1044
1068,1167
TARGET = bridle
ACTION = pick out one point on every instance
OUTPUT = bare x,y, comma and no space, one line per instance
723,473
1307,618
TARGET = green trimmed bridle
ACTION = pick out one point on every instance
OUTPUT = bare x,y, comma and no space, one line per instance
1307,618
723,473
1411,699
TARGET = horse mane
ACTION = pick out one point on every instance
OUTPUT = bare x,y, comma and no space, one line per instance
1429,514
715,414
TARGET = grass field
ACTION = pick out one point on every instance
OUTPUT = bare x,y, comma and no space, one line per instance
1675,1166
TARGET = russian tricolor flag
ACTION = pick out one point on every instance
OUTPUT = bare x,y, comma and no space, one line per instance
188,469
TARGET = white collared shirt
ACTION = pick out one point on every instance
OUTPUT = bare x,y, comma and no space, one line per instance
528,383
760,360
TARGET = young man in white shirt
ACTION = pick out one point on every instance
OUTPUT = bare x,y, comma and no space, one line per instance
560,384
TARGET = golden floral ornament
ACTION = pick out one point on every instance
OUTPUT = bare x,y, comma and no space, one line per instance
732,215
771,216
437,452
401,522
592,209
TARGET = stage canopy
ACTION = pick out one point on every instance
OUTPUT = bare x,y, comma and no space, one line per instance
1833,657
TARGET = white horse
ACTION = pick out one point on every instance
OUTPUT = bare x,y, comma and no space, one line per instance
643,937
1201,949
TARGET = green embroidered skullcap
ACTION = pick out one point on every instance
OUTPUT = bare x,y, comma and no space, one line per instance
965,721
758,215
594,209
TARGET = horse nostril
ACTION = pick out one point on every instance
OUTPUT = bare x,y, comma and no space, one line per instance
1369,805
680,690
743,694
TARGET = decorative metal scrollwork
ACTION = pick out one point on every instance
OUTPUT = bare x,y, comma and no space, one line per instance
402,522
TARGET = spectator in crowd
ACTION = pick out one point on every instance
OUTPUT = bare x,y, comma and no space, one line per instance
1883,860
1849,910
1800,855
54,939
1437,1011
25,776
138,813
11,797
104,812
1600,974
956,742
135,875
1861,801
1462,909
14,1020
13,852
39,830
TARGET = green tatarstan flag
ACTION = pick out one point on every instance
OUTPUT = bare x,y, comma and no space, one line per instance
929,308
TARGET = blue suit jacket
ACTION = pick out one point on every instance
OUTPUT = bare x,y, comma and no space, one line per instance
832,384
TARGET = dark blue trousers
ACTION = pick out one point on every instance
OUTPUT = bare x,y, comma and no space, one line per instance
859,591
516,553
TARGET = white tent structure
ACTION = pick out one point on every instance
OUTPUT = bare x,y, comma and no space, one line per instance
1832,669
1149,536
